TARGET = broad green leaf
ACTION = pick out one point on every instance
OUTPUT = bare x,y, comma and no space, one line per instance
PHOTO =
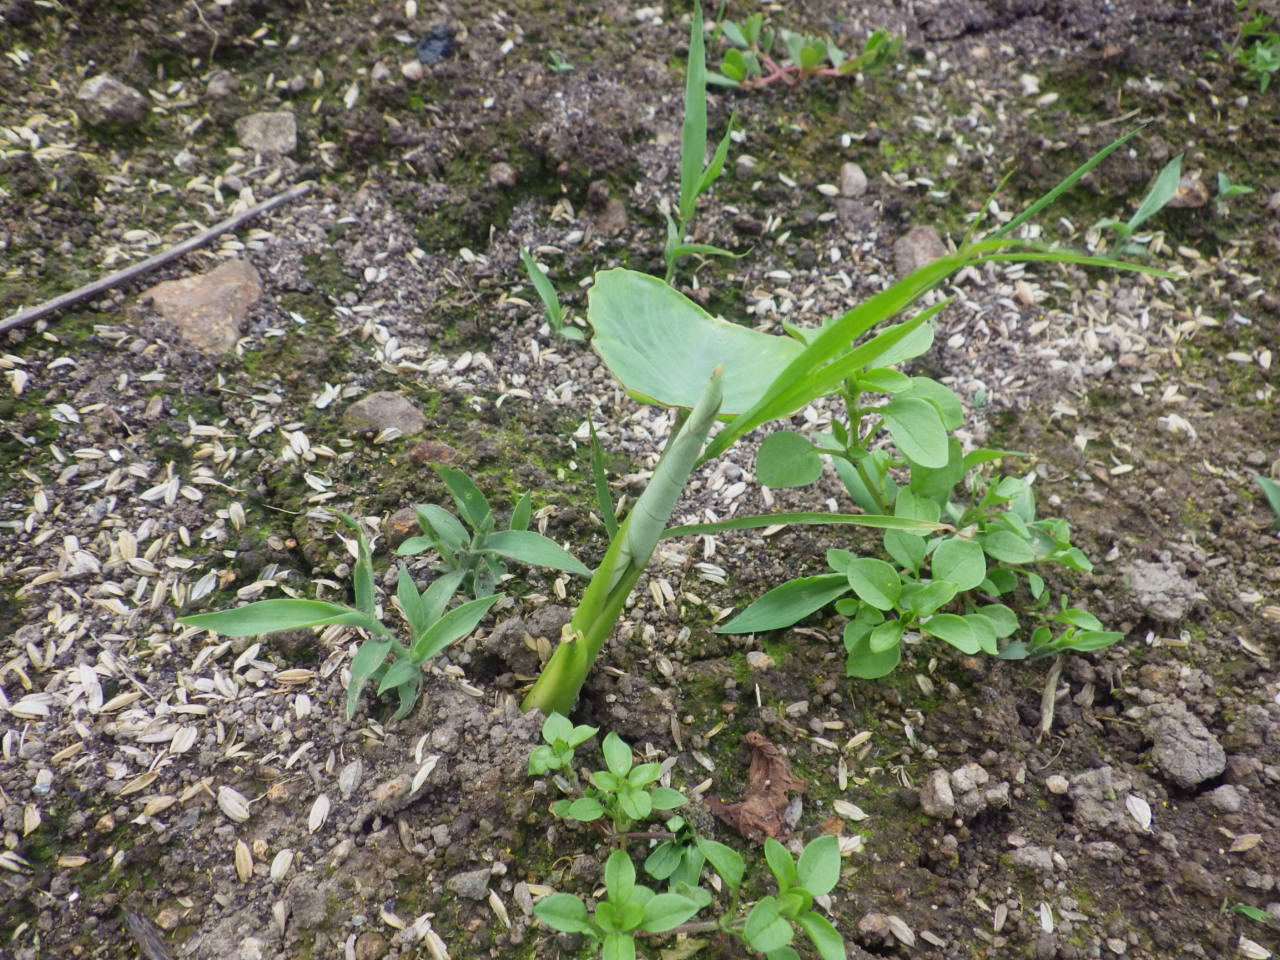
875,582
1083,641
664,860
667,910
1000,581
617,755
780,863
445,525
910,346
960,562
402,671
955,630
619,876
926,599
786,604
885,636
824,936
917,430
1002,618
586,809
472,504
662,346
906,550
985,631
563,912
936,485
636,804
271,616
1005,546
725,860
1074,616
533,549
454,625
862,662
522,513
665,798
367,660
413,546
943,397
883,380
765,929
734,65
644,774
787,459
819,866
618,946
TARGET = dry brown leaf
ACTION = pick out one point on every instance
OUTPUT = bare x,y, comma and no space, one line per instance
769,781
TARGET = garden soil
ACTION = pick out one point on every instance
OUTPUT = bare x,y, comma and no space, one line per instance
169,793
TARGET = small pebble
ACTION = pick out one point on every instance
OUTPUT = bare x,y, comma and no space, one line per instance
1057,784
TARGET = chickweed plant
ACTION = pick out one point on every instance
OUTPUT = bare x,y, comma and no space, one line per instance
1257,45
961,540
761,55
630,910
470,561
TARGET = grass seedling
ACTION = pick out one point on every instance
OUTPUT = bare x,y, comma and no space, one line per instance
696,174
1271,490
542,285
557,64
1227,190
382,658
1157,198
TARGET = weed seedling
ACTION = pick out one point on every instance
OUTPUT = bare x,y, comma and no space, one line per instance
1157,198
382,658
472,558
1227,190
761,55
1271,490
1257,46
542,285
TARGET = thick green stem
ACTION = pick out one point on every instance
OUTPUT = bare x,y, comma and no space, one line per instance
556,690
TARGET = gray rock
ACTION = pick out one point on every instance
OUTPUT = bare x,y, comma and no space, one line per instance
1037,859
970,804
1162,590
1098,797
106,102
969,777
381,410
997,796
916,248
272,131
853,181
209,310
1104,850
1057,784
1226,798
936,798
1184,749
473,884
222,85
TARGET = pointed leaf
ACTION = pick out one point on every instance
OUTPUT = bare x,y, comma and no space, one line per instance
819,866
781,863
667,910
725,860
563,912
410,601
617,755
824,936
619,876
402,671
533,549
472,504
786,604
454,625
271,616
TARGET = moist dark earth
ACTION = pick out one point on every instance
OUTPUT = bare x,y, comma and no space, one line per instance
147,473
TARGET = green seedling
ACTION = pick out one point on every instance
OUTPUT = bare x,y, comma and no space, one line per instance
697,175
382,658
1271,490
628,909
1227,190
624,792
557,64
1257,46
1254,914
560,739
772,923
760,55
1157,198
542,285
663,347
471,551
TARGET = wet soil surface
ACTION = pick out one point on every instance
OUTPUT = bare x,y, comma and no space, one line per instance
166,792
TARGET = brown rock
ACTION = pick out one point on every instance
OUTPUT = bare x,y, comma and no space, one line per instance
502,175
916,248
379,411
210,310
401,525
432,451
370,946
1191,194
222,85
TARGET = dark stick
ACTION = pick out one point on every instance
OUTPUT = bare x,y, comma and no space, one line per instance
32,314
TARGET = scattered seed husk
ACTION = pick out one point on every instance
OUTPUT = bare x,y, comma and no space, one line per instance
244,861
319,813
232,803
280,864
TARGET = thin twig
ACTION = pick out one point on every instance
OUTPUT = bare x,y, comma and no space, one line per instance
32,314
